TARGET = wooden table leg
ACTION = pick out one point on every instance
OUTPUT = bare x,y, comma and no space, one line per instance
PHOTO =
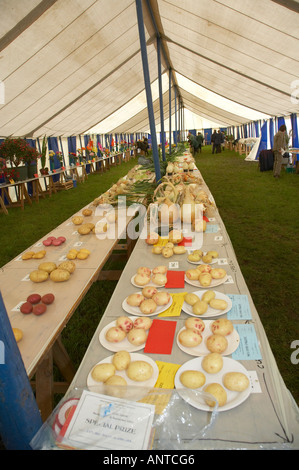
44,386
62,360
3,207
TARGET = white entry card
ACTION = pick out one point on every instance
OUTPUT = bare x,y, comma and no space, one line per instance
101,422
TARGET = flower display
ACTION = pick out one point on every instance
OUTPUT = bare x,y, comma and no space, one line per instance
17,151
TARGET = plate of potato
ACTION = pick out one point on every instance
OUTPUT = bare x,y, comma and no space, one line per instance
225,380
147,304
203,257
122,374
205,276
208,303
129,333
199,337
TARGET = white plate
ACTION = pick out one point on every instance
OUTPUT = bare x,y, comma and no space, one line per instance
211,312
201,350
214,283
152,284
136,310
214,261
99,387
122,345
234,399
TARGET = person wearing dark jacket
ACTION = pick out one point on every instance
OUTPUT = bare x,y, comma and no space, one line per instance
218,140
213,136
199,139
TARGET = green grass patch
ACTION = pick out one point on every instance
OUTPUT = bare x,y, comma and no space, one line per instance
260,214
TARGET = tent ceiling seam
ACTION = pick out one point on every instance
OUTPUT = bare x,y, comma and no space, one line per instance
253,19
27,21
86,91
225,66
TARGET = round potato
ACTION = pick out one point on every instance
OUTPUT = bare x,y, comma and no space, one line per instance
121,360
39,275
149,291
192,378
143,322
222,326
116,386
125,323
191,298
87,212
139,371
161,298
144,270
204,268
205,279
34,298
195,323
216,343
157,250
212,363
200,307
84,229
141,279
134,300
167,252
159,279
160,270
218,392
47,266
115,334
137,336
218,273
208,296
77,220
190,337
194,257
69,266
207,259
102,372
148,306
235,381
18,334
192,274
26,308
175,236
60,275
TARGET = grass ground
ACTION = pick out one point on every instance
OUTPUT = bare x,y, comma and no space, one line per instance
260,215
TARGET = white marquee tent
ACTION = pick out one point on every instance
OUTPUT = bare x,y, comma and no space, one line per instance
71,68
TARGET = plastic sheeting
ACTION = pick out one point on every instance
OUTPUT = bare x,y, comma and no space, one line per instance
69,65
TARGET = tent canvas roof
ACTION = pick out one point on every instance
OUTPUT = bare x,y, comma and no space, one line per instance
69,67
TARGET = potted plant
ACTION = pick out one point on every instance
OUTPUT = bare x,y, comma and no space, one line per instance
17,152
44,170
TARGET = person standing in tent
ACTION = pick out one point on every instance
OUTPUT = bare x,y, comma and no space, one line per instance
213,136
217,142
199,140
279,147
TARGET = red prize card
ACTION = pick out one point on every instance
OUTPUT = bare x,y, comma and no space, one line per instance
160,337
175,279
187,241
